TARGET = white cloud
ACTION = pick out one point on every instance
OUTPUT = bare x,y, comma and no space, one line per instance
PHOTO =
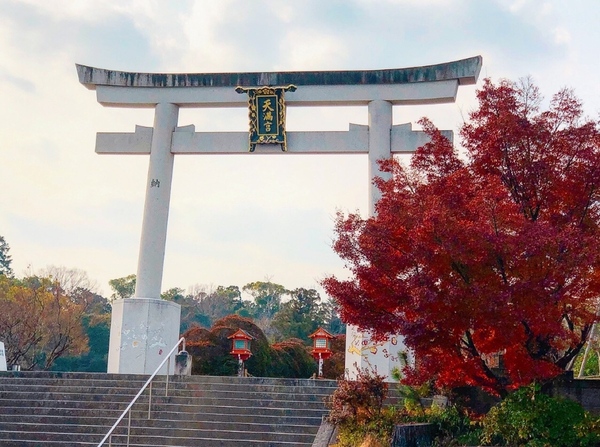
65,9
310,49
561,35
205,52
516,5
410,3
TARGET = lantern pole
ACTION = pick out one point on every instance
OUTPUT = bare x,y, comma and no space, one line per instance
320,366
240,366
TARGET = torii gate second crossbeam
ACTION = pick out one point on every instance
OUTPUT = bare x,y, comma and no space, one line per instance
143,327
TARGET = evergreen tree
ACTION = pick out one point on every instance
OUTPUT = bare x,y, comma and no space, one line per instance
5,259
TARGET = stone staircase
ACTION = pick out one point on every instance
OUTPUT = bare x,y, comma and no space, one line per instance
41,409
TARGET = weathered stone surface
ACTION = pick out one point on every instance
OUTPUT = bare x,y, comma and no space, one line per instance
585,391
325,436
465,70
183,364
2,357
413,435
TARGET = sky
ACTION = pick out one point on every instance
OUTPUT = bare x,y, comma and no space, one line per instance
235,219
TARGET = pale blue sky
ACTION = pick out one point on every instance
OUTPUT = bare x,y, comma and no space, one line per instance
234,219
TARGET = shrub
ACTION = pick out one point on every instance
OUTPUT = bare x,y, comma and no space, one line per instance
450,422
529,418
373,432
356,408
357,400
291,358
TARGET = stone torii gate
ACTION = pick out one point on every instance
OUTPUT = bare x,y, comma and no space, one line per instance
145,328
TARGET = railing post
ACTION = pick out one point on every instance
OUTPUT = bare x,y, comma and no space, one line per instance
167,382
150,400
128,427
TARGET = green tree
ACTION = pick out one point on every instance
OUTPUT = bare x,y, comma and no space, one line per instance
300,316
174,294
191,314
5,259
332,321
267,298
335,366
292,358
266,303
231,296
217,303
122,287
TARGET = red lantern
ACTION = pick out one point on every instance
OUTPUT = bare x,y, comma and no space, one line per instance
240,348
321,347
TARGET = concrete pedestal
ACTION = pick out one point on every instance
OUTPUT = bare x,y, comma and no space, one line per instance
2,357
142,332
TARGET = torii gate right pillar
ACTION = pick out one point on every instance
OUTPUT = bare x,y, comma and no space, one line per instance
361,352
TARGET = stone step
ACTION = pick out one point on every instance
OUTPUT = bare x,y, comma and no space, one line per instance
156,436
182,404
13,391
282,393
158,388
36,404
264,400
184,412
6,376
77,409
60,375
162,442
51,395
71,416
115,402
99,425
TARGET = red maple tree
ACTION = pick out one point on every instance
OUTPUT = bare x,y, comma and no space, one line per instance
496,251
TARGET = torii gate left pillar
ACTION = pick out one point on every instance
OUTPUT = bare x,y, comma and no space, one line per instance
145,328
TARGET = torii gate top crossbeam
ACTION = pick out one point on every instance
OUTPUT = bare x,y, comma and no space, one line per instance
432,84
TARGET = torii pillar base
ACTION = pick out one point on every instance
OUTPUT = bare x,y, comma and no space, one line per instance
142,332
384,358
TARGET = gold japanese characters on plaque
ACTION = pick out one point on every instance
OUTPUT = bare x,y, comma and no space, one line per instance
266,110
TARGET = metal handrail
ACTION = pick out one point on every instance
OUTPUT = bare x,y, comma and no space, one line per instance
148,382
